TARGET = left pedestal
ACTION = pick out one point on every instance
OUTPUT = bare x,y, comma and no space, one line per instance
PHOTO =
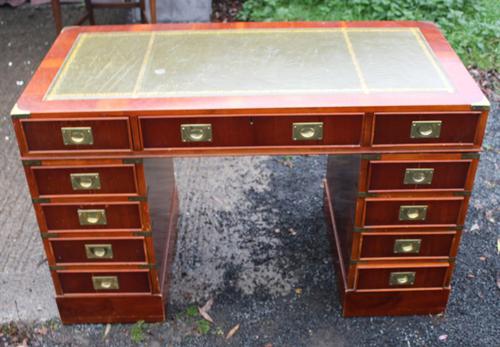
109,232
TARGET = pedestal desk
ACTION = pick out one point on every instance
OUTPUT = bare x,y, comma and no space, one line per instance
390,103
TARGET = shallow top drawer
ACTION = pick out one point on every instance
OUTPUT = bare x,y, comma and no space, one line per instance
409,129
85,180
77,135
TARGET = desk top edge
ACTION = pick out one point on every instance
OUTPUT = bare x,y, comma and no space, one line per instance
466,95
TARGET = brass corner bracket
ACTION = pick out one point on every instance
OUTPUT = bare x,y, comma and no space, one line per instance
17,113
481,105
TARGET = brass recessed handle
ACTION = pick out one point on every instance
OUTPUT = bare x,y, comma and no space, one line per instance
85,181
99,251
426,129
413,213
407,246
105,282
77,136
196,132
418,176
307,131
92,217
402,278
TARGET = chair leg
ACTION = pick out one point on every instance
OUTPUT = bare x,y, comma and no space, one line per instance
56,12
90,11
142,9
152,11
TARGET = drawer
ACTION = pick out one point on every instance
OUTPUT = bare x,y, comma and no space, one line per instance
389,245
129,281
92,216
408,129
414,175
91,250
85,180
402,277
430,211
90,134
163,132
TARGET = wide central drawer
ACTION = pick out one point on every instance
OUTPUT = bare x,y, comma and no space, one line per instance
165,132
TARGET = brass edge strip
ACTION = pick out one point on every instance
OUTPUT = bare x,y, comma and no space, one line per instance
40,200
481,105
48,235
464,193
148,266
358,229
56,267
17,113
31,162
371,156
142,233
367,195
137,198
471,155
132,161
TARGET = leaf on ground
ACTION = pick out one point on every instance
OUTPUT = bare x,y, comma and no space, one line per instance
474,227
498,246
205,315
41,331
106,330
208,305
482,258
443,337
232,331
298,291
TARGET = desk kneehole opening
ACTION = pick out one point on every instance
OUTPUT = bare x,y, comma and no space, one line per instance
413,213
105,283
402,278
92,217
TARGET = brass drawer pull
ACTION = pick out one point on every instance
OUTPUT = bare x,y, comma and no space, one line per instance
307,131
402,278
196,132
92,217
105,282
407,246
426,129
101,251
85,181
418,176
413,212
77,136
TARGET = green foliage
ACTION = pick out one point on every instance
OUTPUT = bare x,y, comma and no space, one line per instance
471,26
192,311
203,326
137,332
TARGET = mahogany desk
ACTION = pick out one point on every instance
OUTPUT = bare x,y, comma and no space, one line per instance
389,102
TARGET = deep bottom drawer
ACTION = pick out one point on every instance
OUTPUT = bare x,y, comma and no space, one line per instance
111,309
130,281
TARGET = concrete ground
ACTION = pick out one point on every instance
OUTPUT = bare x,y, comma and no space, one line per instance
251,236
